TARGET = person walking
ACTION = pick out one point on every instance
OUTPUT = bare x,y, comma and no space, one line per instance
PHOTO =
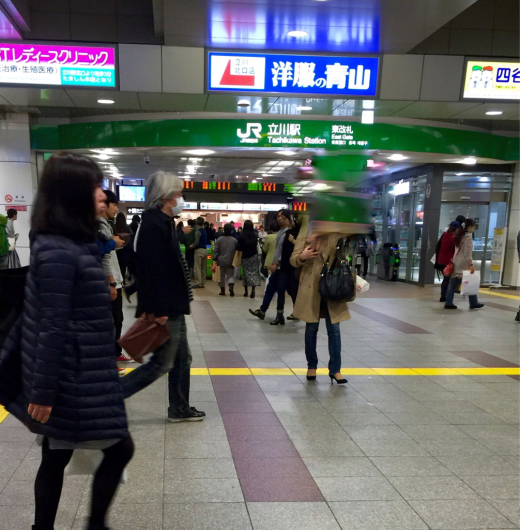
13,261
188,241
223,255
445,251
199,247
65,335
220,232
113,273
462,260
311,255
134,225
284,220
248,245
269,247
164,292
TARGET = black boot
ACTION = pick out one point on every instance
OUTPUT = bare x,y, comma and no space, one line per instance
222,291
93,526
252,292
34,527
246,294
279,320
231,289
517,318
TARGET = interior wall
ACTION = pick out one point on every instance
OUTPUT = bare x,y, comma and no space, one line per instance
488,28
18,176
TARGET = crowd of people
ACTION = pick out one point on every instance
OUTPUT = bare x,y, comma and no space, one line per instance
65,341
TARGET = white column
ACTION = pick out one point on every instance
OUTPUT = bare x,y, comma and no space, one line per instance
18,176
511,266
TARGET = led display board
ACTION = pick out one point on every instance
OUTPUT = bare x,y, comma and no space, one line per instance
58,65
492,80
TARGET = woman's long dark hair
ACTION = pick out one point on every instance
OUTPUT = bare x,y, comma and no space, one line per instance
65,202
461,232
248,232
121,227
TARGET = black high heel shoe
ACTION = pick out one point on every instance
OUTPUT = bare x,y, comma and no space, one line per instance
339,381
310,377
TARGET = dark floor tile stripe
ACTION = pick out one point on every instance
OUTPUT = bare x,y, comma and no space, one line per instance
205,317
503,307
391,322
487,360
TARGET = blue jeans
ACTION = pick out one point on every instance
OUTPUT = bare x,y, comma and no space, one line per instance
454,286
311,338
272,288
174,357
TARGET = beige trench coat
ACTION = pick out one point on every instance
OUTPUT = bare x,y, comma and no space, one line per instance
307,306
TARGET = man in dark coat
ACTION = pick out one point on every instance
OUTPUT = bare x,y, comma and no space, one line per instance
164,292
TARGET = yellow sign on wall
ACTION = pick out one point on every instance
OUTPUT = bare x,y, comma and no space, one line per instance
492,80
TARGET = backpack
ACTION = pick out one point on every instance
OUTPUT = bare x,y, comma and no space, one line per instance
4,242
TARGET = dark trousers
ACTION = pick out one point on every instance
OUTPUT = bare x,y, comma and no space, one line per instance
117,314
286,283
49,482
364,258
271,289
173,356
444,285
453,286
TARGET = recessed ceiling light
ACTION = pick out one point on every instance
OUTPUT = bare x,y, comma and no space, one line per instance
259,178
286,153
494,112
201,152
254,180
303,107
367,117
297,33
470,160
397,156
106,101
243,103
102,156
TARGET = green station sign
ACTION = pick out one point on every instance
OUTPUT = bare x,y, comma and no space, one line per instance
276,134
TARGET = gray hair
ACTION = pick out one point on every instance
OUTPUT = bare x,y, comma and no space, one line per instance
159,186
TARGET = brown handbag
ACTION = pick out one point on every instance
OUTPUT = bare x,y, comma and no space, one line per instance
144,337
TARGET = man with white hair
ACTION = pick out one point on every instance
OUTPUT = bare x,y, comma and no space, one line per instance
164,292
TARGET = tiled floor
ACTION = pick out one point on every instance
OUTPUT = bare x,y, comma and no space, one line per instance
424,436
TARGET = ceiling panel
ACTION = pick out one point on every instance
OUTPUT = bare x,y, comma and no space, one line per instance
347,26
228,103
172,102
89,98
433,109
509,110
37,97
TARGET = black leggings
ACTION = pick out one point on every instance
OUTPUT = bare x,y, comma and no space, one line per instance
49,482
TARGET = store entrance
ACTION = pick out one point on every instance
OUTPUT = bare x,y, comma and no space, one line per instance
487,216
405,225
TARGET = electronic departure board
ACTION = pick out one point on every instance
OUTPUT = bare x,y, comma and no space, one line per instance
214,185
297,206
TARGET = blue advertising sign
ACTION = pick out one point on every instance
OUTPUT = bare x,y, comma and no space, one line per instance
292,74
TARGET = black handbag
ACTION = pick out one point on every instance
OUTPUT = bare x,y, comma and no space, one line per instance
337,281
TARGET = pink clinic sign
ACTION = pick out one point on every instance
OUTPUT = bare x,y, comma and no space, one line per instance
56,64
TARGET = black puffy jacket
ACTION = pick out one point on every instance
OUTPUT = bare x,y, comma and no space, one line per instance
64,344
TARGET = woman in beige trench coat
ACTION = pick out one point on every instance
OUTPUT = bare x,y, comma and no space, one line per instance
310,307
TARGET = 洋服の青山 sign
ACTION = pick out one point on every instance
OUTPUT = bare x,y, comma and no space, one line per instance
293,74
57,65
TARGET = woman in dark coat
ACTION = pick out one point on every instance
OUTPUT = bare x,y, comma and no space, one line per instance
69,388
248,245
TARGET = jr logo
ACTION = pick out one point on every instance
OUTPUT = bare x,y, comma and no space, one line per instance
252,128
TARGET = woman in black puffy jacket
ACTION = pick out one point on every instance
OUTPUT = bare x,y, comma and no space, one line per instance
69,391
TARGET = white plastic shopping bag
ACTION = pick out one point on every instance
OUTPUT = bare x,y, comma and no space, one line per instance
86,462
470,283
362,286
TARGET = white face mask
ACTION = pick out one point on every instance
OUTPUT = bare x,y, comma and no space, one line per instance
180,206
